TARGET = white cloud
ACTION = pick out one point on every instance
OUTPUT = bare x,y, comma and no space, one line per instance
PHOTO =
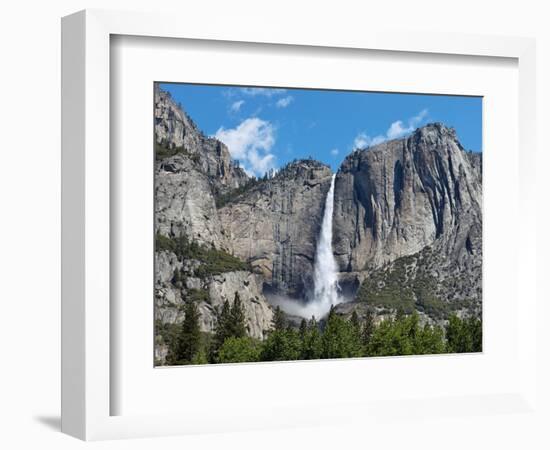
266,92
396,130
258,163
251,143
334,151
284,102
363,140
236,106
377,140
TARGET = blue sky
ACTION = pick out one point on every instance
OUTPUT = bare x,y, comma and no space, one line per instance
265,128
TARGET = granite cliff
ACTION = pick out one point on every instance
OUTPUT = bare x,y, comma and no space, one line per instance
275,225
411,205
394,199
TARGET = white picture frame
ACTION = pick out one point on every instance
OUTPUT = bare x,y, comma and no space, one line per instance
87,325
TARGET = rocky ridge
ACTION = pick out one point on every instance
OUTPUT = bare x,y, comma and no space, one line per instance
175,130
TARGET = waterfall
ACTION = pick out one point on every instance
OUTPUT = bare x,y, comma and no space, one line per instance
325,278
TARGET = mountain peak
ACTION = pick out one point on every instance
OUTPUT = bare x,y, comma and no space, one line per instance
304,169
175,130
167,112
438,129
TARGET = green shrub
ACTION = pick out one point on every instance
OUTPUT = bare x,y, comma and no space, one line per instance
282,345
166,333
163,151
223,199
464,336
388,288
401,286
213,261
428,302
198,295
164,243
239,349
201,357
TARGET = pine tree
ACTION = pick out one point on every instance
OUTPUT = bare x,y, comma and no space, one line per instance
188,340
231,323
458,340
368,328
476,331
282,345
340,339
279,322
354,321
176,278
429,341
303,329
222,331
464,336
312,344
237,325
356,336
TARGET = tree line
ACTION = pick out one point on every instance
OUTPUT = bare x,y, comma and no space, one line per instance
336,337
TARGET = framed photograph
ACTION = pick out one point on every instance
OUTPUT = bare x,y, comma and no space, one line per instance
257,223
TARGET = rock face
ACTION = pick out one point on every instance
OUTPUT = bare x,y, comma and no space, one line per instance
258,313
400,197
175,129
275,226
216,289
184,202
195,170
